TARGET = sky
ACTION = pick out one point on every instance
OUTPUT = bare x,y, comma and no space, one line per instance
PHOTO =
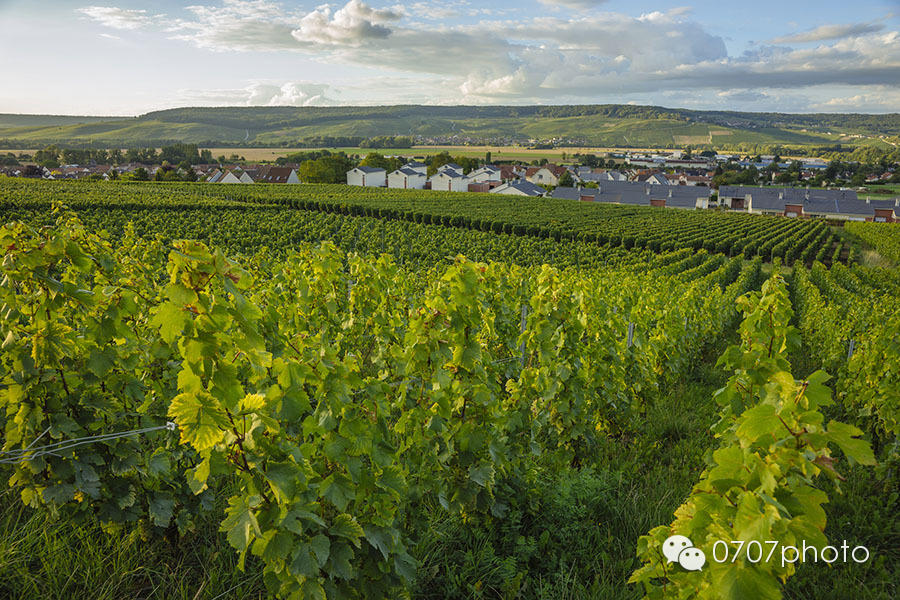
129,57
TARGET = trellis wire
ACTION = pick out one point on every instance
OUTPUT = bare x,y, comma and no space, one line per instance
31,452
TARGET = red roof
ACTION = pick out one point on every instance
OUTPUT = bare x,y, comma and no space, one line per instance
274,175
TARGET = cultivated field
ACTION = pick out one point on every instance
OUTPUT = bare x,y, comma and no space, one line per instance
323,392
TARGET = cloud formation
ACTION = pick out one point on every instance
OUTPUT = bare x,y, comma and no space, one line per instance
117,18
829,32
557,57
351,25
292,93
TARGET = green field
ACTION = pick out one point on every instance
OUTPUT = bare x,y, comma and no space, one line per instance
386,394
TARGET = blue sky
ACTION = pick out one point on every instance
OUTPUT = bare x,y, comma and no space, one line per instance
126,58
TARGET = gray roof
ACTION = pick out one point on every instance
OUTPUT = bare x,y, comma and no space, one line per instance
570,193
406,171
449,172
370,169
524,186
681,202
886,203
815,201
636,193
591,176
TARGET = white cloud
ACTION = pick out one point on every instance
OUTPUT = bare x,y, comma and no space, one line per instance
353,24
576,57
117,18
292,93
872,99
830,32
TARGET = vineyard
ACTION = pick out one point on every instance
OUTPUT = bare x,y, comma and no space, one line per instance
384,395
555,219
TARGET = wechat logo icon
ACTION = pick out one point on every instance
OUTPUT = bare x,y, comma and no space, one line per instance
678,548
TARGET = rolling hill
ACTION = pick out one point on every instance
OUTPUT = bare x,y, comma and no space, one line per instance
589,125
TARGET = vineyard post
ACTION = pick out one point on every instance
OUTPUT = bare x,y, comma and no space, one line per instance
850,349
630,335
522,330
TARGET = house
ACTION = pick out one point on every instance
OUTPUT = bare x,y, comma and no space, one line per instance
510,172
277,175
451,166
418,167
546,175
520,187
693,180
690,163
485,174
796,202
613,175
253,172
640,194
367,177
449,180
886,211
653,177
230,176
406,178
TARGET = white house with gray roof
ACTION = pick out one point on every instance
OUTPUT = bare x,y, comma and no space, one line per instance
406,178
485,174
449,180
367,177
417,166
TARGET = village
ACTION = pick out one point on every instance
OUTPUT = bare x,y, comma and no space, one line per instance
665,180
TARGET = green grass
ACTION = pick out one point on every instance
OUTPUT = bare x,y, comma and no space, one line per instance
892,189
51,559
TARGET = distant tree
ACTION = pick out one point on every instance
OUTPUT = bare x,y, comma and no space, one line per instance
487,157
566,179
177,153
48,157
327,169
438,160
141,174
467,163
187,171
589,160
375,160
786,177
113,175
708,154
